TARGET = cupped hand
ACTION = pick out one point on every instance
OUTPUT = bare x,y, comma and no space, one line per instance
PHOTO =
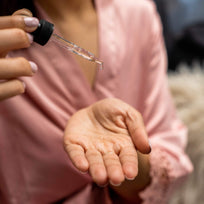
103,140
14,35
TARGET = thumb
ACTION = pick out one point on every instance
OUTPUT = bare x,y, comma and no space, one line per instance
137,131
27,21
23,12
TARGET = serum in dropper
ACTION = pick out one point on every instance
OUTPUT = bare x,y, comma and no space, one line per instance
44,33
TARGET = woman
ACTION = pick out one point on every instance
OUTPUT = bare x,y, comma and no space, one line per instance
102,135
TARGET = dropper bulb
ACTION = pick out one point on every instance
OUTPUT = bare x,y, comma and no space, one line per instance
43,33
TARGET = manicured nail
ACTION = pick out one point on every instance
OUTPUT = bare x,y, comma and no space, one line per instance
31,21
34,67
30,37
113,184
130,179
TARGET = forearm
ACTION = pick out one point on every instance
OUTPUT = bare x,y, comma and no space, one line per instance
129,190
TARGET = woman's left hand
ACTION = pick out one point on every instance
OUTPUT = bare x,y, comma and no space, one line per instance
103,139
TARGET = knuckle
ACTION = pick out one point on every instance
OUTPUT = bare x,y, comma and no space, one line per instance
67,145
20,34
92,153
19,87
22,37
66,148
138,115
140,118
24,66
22,61
15,21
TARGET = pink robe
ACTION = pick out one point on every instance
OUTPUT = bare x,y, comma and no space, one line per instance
34,168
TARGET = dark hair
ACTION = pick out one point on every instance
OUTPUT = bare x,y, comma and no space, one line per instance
7,7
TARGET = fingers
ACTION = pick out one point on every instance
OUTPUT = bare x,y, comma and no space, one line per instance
13,35
114,169
77,156
91,160
14,32
11,88
25,23
129,161
107,167
23,12
96,167
16,67
137,131
12,39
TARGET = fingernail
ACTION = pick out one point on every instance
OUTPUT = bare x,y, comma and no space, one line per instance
113,184
31,22
130,179
34,67
103,186
30,37
83,172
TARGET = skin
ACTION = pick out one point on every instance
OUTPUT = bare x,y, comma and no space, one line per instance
12,37
76,21
110,130
105,144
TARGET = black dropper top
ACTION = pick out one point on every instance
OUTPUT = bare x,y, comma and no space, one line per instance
43,33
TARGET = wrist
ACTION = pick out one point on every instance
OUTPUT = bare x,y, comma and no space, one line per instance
129,190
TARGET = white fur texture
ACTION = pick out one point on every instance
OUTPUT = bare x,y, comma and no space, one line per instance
187,88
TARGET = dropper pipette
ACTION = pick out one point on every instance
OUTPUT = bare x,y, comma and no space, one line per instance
44,33
76,49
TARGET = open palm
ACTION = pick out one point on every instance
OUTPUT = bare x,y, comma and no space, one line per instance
103,139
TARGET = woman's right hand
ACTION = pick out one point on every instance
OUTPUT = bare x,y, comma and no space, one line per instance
14,35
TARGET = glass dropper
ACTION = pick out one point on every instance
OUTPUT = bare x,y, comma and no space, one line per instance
44,33
76,49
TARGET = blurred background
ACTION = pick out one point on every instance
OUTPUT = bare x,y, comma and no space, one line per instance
183,23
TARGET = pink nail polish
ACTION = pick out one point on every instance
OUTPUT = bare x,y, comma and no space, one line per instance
34,67
31,21
30,37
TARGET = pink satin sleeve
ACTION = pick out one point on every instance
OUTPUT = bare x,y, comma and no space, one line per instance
168,136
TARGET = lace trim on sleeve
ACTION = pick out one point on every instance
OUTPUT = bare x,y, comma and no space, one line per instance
162,175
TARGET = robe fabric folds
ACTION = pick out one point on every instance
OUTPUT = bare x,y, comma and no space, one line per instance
34,168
